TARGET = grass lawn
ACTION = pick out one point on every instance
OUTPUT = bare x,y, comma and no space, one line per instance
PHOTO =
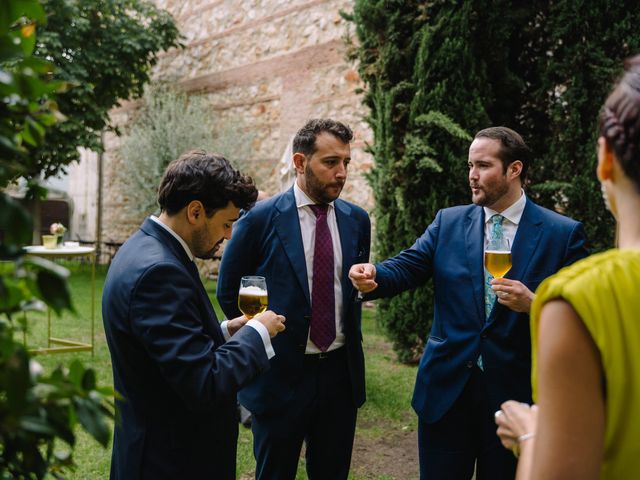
385,446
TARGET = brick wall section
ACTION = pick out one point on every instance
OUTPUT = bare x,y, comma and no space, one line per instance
267,66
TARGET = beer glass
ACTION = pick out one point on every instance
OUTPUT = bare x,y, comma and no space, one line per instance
252,297
497,257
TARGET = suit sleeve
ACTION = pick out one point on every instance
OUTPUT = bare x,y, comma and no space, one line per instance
238,259
411,267
576,245
166,320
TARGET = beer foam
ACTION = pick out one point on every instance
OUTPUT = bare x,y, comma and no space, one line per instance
253,291
498,252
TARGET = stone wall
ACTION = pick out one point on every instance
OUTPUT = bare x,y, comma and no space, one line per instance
267,66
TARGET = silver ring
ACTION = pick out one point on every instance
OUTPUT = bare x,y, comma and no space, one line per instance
498,414
502,294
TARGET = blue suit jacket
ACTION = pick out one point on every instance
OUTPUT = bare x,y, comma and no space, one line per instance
451,251
267,241
178,377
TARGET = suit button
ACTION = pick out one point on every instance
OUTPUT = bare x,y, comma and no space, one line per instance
469,364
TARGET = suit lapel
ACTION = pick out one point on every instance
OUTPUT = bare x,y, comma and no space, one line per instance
523,249
526,241
287,226
348,228
474,235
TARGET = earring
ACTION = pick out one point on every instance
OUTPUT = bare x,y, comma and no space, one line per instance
605,197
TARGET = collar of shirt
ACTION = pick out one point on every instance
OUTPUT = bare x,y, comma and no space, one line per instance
513,213
302,199
175,235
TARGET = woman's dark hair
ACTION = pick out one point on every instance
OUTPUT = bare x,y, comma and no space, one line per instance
620,120
209,178
512,148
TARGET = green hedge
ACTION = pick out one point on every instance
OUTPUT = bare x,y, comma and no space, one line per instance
437,72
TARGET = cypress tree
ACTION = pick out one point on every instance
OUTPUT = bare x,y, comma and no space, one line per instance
436,72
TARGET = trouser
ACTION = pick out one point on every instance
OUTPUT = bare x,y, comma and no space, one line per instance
322,414
465,439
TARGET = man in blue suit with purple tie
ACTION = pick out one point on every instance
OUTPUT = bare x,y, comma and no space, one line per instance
177,370
478,353
304,241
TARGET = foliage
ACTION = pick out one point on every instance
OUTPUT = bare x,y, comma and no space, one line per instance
168,124
104,49
436,69
25,111
424,91
584,44
35,409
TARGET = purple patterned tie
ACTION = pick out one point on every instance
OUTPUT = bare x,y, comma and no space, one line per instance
323,310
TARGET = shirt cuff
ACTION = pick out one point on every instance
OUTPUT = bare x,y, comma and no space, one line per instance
225,330
264,334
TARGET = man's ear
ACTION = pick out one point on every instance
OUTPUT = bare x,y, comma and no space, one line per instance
195,210
605,160
299,160
515,168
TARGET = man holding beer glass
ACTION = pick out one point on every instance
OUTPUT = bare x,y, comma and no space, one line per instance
177,372
303,242
478,352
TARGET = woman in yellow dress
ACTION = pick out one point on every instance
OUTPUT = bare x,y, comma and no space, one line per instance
585,331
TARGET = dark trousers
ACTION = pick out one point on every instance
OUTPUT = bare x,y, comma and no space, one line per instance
465,438
322,414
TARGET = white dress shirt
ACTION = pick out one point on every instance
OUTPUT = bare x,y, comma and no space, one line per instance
308,228
260,328
512,216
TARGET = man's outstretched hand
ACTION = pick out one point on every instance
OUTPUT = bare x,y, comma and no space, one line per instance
363,277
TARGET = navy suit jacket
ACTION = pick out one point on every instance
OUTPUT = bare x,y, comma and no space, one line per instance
177,376
267,241
451,252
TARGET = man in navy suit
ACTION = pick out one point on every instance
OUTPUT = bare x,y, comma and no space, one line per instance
177,370
304,241
478,352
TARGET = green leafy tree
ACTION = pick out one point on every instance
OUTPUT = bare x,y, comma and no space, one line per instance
434,70
36,409
427,88
169,123
104,50
584,44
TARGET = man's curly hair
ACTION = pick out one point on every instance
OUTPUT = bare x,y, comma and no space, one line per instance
207,177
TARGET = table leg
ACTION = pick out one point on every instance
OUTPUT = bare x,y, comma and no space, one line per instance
93,304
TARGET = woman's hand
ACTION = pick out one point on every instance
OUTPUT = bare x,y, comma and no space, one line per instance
516,422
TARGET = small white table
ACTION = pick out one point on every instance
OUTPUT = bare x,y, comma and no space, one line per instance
65,345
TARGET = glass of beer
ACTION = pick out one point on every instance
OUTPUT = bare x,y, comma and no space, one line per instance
497,257
252,297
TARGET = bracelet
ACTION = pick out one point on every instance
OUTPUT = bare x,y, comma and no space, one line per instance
525,437
522,438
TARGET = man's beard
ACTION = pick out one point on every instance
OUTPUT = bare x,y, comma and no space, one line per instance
199,246
490,197
317,189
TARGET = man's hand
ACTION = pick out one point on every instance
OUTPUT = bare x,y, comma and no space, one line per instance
363,276
272,321
236,324
513,294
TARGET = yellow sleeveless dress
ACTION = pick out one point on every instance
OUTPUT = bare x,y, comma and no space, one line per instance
604,290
